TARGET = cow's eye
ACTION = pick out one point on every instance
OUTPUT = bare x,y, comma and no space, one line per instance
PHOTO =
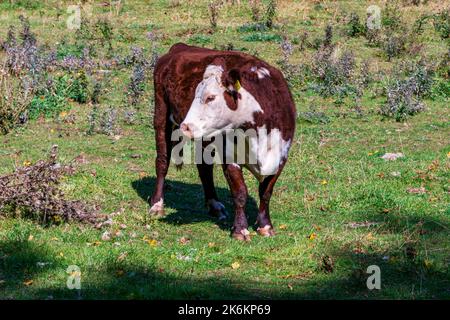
210,99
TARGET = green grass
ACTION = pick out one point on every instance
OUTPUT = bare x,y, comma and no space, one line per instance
334,177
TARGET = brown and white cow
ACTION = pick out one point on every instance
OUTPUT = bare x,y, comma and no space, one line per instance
205,92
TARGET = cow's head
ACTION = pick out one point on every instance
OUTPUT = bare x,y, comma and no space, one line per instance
214,108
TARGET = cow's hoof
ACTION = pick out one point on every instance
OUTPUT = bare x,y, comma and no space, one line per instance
157,209
217,209
242,235
266,231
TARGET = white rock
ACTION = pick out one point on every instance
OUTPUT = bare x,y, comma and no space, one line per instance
392,156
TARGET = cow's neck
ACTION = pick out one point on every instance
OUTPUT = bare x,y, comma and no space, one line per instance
246,110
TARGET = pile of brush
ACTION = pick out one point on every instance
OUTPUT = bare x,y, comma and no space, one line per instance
34,190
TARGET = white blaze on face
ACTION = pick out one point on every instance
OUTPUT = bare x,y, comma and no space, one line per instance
209,113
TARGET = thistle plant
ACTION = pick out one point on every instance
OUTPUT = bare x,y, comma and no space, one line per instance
271,13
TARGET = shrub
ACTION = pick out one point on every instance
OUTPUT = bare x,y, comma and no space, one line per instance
154,53
255,7
441,23
136,56
25,4
74,64
303,40
51,99
65,49
263,37
421,79
328,39
252,27
401,101
77,86
48,101
136,85
289,70
332,75
85,34
43,95
325,41
443,68
108,122
287,48
92,120
441,89
271,13
391,17
104,122
105,31
365,78
354,27
394,46
34,190
96,92
92,34
14,100
213,8
141,65
22,56
418,74
199,39
394,36
420,22
313,116
129,117
373,37
404,96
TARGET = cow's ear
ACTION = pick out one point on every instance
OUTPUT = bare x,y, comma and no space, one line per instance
232,80
232,83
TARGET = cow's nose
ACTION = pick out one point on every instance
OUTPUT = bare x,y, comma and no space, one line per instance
186,129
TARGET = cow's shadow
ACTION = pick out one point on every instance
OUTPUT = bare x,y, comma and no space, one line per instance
188,202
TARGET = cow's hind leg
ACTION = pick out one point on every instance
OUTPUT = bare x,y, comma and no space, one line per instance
215,207
265,227
235,179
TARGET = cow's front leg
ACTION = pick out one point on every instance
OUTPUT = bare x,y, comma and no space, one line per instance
156,201
265,227
215,207
238,189
163,132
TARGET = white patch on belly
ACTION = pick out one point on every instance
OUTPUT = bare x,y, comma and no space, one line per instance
269,151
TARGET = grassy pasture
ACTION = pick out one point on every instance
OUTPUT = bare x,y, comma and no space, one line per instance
334,183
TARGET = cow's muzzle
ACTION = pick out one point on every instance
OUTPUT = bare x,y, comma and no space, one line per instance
187,130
